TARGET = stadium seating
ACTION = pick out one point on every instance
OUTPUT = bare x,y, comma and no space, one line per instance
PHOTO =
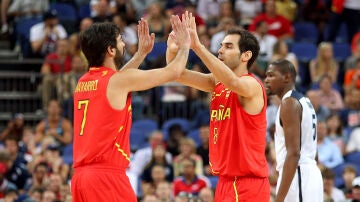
184,123
305,32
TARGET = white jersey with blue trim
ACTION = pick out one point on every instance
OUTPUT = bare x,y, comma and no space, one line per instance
308,135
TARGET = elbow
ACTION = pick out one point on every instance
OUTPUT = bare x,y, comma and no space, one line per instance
294,155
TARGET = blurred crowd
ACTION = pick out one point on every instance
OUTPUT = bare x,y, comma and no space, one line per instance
36,162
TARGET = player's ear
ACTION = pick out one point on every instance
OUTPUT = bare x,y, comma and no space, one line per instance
247,55
111,50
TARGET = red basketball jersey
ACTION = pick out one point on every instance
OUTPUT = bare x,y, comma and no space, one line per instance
237,139
101,133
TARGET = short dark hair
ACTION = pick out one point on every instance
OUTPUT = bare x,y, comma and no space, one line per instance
285,66
96,39
247,42
329,174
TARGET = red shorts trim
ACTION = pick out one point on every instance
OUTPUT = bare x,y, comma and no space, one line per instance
94,185
242,189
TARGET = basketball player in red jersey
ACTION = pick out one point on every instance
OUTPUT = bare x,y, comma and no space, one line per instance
237,114
102,108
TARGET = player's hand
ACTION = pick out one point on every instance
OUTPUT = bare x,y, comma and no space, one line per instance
171,44
146,40
181,35
189,20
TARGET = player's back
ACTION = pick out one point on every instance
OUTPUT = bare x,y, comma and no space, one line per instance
308,144
101,133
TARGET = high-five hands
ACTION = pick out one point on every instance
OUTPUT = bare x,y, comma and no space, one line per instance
180,35
146,40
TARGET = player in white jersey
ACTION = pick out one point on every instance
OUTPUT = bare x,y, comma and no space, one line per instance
295,138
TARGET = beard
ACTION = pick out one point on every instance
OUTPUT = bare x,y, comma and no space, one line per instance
118,59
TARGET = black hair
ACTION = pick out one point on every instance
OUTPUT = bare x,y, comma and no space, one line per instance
247,42
96,39
285,66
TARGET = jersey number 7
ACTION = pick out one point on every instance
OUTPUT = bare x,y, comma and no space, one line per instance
80,105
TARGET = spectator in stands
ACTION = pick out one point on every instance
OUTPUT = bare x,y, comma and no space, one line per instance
189,182
158,158
200,22
348,175
176,133
324,63
143,156
187,150
353,144
247,10
12,147
56,64
34,195
352,87
15,128
141,6
163,191
347,11
43,36
21,10
16,172
281,51
158,174
209,10
279,26
322,112
55,185
335,128
356,190
330,191
5,185
351,61
57,165
104,10
127,11
266,43
66,85
40,177
329,96
206,195
48,196
54,126
328,153
158,21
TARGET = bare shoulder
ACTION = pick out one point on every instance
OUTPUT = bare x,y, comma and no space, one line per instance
290,107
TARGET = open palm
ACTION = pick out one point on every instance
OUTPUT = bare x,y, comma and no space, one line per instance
146,40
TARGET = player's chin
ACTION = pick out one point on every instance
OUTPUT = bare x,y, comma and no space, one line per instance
268,91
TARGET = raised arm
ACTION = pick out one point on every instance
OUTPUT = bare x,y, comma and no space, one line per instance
291,125
201,81
136,80
146,43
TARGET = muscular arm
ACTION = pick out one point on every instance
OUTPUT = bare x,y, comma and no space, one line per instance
291,125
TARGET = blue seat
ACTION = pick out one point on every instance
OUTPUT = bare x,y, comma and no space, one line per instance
84,11
194,134
353,158
65,11
138,139
22,32
341,35
145,125
67,154
304,51
341,51
305,32
184,123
